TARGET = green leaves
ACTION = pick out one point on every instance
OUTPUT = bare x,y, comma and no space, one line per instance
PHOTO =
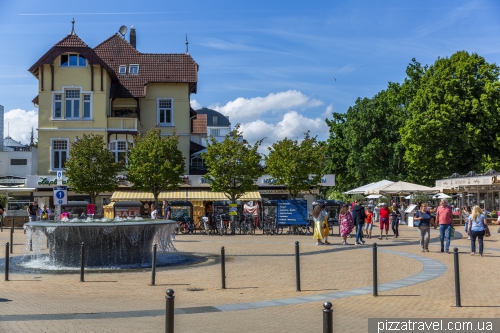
91,168
155,164
233,165
298,166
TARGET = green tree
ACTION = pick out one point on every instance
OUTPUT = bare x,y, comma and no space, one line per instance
296,165
155,163
454,119
364,144
233,165
91,168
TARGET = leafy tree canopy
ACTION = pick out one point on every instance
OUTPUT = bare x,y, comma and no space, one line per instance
233,165
454,119
155,163
91,167
297,165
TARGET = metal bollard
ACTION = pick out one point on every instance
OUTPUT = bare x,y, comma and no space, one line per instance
327,318
31,243
223,267
375,282
153,266
457,278
11,240
297,265
12,219
82,264
169,312
6,261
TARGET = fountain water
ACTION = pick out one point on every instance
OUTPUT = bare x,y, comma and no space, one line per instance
108,243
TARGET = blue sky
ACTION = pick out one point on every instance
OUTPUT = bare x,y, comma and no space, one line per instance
277,67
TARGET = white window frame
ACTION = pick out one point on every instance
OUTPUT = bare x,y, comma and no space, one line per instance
77,60
73,99
115,151
54,94
158,111
90,102
130,69
52,151
215,132
122,69
63,103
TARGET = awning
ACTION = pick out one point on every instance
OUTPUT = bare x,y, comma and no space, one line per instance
180,195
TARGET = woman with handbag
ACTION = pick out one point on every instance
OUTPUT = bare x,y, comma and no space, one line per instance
477,226
422,221
320,232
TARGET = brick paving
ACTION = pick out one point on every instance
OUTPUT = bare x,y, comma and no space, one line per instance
259,269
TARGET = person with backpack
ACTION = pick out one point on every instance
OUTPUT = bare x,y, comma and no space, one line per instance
44,213
477,226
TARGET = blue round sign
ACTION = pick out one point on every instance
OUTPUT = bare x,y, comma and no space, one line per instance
60,194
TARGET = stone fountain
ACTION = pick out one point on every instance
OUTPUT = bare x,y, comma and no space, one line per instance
108,243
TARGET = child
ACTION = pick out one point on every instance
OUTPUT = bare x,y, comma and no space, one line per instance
368,222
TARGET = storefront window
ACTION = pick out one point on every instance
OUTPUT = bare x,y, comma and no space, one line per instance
482,200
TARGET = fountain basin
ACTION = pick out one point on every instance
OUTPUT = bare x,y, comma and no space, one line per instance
106,244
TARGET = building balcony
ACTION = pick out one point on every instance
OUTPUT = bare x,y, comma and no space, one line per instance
123,124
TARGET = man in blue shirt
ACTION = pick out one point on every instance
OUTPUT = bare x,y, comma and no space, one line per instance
166,210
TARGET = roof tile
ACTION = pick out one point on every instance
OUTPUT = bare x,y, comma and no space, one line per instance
71,40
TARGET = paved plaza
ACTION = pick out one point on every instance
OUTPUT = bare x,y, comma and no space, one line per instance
261,291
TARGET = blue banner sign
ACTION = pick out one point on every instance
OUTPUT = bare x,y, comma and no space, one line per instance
291,212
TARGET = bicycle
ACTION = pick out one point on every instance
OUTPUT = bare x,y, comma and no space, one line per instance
269,225
186,226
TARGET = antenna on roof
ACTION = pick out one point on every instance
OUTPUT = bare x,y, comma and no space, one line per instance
123,30
187,43
72,26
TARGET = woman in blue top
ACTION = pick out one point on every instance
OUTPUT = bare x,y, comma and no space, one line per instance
477,224
424,227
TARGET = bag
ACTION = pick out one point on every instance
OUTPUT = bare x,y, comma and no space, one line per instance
415,222
452,232
487,232
44,215
384,219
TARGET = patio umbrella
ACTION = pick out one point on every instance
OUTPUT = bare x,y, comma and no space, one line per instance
441,196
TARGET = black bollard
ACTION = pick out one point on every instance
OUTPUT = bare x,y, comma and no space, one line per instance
169,313
12,219
47,241
82,264
6,261
297,265
327,318
31,242
11,240
153,266
375,282
457,278
223,267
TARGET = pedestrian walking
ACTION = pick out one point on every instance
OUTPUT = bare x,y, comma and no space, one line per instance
359,220
424,220
32,211
44,213
477,228
319,215
350,209
445,219
368,223
384,220
395,215
154,212
166,210
346,223
466,212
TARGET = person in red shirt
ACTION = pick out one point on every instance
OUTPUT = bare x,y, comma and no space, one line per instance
384,220
368,222
445,219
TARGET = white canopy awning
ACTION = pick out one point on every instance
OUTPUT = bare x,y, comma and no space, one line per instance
400,188
367,187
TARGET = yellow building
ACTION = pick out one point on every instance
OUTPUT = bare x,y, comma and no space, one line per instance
112,90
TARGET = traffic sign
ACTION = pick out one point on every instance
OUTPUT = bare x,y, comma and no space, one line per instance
59,175
61,195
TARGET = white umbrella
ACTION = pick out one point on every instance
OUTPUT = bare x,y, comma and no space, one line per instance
374,196
441,196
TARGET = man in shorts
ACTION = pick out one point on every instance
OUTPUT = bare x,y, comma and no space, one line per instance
384,220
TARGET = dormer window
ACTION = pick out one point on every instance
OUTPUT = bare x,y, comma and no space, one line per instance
73,60
122,69
133,69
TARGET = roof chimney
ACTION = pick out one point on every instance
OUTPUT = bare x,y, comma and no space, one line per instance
132,37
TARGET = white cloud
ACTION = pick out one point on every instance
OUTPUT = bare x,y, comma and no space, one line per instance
292,126
195,105
18,124
243,109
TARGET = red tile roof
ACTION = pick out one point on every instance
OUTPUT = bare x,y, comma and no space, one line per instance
153,68
200,124
71,41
